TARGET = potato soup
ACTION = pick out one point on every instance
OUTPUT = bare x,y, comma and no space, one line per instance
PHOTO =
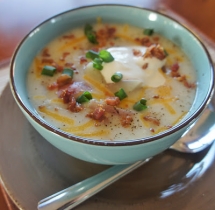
112,82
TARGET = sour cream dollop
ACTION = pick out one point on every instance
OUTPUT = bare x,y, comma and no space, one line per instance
131,67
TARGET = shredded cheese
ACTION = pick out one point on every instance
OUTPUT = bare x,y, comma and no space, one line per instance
56,115
80,127
72,43
92,134
57,100
98,85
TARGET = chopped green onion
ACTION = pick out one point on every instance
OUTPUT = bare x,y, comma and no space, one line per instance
87,28
148,31
69,72
98,58
140,105
106,56
82,99
48,70
97,64
85,97
116,77
91,35
92,54
121,94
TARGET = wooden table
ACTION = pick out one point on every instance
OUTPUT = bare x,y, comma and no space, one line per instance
17,18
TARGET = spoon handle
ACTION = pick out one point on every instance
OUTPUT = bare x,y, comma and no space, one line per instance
78,193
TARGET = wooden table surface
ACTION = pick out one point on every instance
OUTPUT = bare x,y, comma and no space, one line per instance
18,17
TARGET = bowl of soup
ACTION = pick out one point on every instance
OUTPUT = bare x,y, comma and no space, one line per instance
111,84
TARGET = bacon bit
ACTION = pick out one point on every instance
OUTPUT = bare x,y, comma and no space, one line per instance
137,52
183,79
52,86
158,52
155,51
70,36
64,56
174,70
112,101
107,32
73,106
126,120
71,65
45,52
47,60
66,95
59,68
145,66
145,41
152,120
111,31
68,98
156,97
98,113
83,60
64,79
175,67
104,34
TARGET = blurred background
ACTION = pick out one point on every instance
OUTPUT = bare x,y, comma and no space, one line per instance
18,17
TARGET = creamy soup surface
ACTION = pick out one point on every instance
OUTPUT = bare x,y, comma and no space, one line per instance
71,82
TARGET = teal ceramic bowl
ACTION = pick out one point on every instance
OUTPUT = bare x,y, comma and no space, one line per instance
101,151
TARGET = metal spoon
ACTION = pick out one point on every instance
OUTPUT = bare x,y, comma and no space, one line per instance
198,137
